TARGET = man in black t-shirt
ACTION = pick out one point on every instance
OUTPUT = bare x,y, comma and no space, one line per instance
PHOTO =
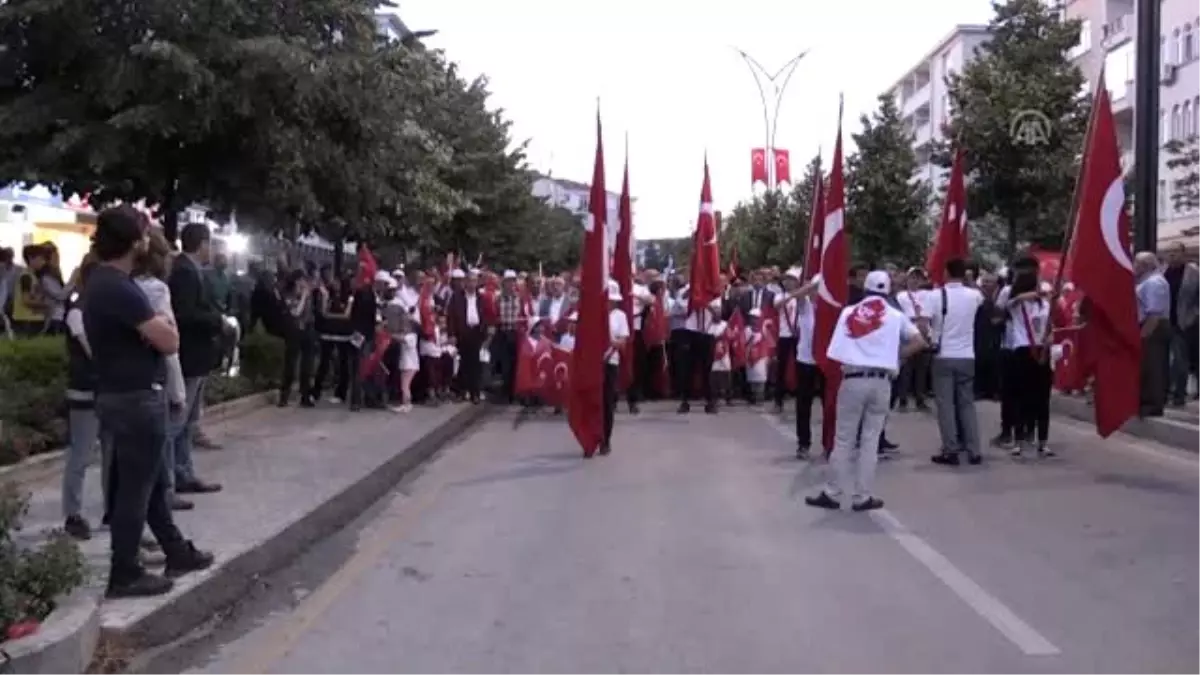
128,344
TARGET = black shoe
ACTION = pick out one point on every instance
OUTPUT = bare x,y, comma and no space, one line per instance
778,409
823,501
143,586
1002,441
605,449
885,445
710,408
975,460
307,403
922,407
946,459
78,528
634,409
185,557
196,487
684,408
178,504
282,402
802,452
868,504
104,520
1044,451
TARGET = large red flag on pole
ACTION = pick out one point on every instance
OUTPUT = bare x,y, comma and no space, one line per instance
1102,269
622,268
816,226
833,290
952,239
706,259
585,403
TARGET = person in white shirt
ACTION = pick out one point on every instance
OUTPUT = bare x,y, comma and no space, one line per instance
618,335
914,373
952,309
1027,377
639,390
722,362
696,352
567,339
756,358
869,340
787,308
808,376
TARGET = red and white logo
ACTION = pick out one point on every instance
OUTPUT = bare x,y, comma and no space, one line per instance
866,318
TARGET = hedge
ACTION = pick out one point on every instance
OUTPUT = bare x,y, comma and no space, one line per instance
33,376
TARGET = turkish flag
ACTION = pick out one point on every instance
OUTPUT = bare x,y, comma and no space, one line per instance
656,329
555,375
758,166
783,166
531,355
735,337
367,268
816,229
1067,358
1102,270
951,239
622,272
425,309
585,402
762,347
833,290
706,261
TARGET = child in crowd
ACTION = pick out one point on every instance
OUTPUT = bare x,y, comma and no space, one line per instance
567,339
431,361
721,384
757,356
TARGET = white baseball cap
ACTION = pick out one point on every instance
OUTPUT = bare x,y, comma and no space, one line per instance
510,274
755,312
382,277
878,281
456,273
795,273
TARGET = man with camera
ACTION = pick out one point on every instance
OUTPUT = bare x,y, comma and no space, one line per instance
951,313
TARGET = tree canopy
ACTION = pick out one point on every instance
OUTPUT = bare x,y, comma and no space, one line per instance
887,207
1021,77
294,113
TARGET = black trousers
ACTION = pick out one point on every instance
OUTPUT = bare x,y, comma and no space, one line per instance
808,383
785,353
504,356
987,372
914,379
639,389
469,367
1155,369
340,355
1032,378
696,363
676,347
137,424
1010,392
612,375
298,351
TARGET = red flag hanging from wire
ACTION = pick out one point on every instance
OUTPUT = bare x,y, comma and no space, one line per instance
585,407
758,166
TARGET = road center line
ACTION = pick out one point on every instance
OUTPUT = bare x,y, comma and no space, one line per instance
987,606
1003,619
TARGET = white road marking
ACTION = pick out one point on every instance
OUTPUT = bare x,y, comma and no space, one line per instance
1021,634
987,606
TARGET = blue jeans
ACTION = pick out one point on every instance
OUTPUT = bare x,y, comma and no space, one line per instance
136,423
180,431
84,428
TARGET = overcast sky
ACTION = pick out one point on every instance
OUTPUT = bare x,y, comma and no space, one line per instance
666,73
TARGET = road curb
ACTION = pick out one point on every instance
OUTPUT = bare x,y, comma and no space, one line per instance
66,641
1165,430
46,464
230,581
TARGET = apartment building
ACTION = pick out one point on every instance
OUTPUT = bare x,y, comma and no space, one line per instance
921,95
1108,39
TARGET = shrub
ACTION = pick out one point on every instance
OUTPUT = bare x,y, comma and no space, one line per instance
31,580
262,360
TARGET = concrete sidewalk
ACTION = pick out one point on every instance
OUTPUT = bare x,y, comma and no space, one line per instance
290,477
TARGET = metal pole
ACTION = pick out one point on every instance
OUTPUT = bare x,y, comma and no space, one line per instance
1145,130
771,115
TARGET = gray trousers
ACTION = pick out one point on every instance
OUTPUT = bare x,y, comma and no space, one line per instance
954,391
861,401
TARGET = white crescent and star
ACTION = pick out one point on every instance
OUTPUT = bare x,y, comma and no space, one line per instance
560,368
1111,210
834,223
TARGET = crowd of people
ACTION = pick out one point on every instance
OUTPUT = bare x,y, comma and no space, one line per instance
145,327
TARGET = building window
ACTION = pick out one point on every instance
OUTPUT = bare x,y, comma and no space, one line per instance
1188,46
1185,124
1196,116
1175,120
1164,131
1176,48
1164,196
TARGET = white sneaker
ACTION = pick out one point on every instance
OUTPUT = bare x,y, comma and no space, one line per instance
407,407
396,408
334,400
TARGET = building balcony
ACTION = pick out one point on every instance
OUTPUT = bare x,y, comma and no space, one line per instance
922,134
1117,32
912,101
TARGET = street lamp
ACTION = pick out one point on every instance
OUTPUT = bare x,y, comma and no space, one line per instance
771,114
1145,123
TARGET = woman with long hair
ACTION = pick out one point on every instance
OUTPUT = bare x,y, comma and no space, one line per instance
299,338
1028,378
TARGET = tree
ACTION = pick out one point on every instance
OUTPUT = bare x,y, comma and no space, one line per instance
1020,81
1183,159
887,208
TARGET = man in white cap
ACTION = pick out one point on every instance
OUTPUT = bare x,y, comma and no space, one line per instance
869,339
618,335
464,322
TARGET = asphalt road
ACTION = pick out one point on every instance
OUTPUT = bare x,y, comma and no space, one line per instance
690,549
